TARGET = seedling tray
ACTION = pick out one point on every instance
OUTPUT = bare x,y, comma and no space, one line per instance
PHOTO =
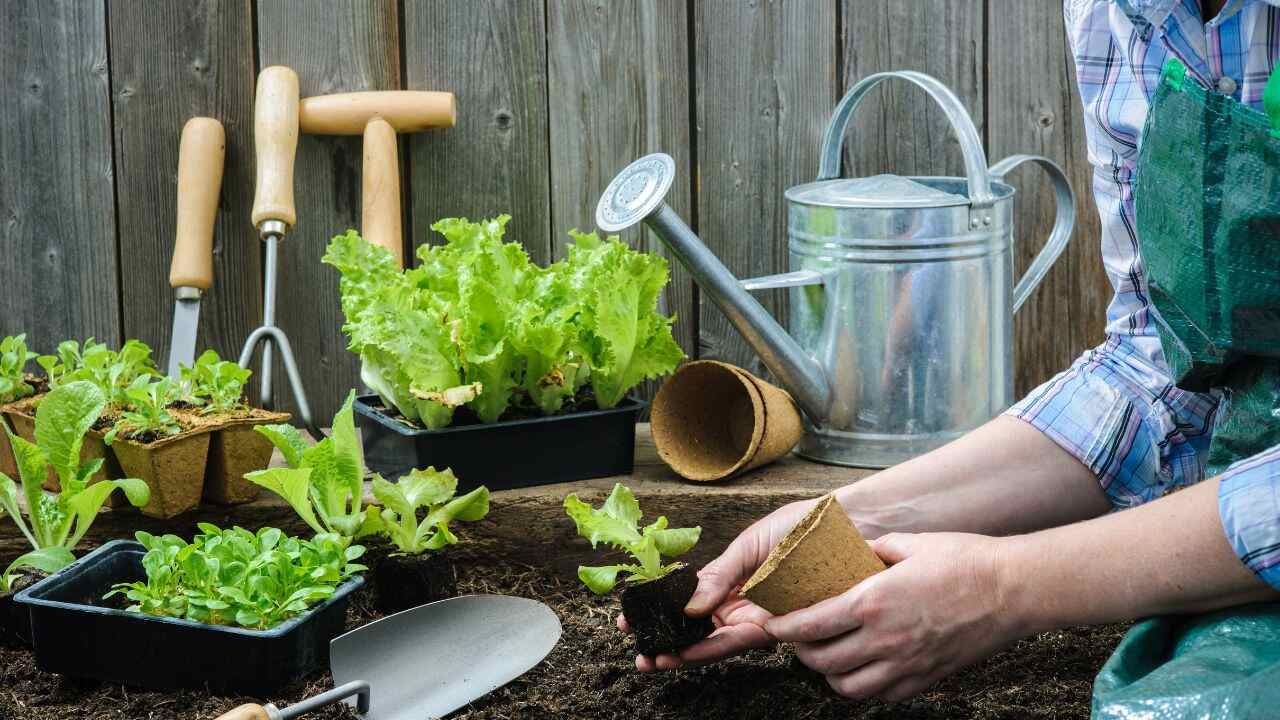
73,636
504,455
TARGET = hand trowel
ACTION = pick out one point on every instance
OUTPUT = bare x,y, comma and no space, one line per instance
200,159
430,660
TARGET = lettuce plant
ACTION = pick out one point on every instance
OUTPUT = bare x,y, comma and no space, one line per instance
114,372
617,524
54,524
478,324
324,482
215,384
432,492
239,578
14,357
146,411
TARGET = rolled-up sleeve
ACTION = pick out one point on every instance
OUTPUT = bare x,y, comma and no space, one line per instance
1249,505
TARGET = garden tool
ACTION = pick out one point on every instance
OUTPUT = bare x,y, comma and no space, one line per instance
201,151
275,140
902,295
378,116
429,661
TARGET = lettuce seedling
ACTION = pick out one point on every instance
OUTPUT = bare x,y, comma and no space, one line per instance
146,413
431,491
215,384
54,524
239,578
617,524
14,357
114,372
324,482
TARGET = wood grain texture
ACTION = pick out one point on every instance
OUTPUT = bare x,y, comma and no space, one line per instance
334,47
1039,112
170,63
766,84
57,200
492,55
618,77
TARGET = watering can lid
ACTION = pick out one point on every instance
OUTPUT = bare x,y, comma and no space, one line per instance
877,191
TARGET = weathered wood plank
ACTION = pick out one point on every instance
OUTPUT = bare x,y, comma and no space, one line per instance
619,89
57,199
492,55
334,47
766,83
170,63
1039,112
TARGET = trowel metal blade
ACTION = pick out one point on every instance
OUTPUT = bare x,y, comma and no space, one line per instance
431,660
182,341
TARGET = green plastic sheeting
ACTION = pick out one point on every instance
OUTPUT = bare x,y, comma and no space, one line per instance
1218,666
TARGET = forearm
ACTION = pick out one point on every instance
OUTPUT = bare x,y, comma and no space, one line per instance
1168,556
1005,477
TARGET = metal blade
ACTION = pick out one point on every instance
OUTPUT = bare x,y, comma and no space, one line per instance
182,341
431,660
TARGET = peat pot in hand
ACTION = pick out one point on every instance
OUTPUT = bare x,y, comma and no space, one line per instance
901,289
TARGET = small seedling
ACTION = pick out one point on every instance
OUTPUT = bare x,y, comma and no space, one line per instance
617,524
215,384
14,357
54,524
146,414
429,490
113,372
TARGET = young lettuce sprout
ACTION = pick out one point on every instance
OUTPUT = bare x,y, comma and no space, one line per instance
215,384
432,491
324,483
14,357
55,523
147,410
617,524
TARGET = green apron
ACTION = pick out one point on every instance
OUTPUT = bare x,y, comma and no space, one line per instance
1207,201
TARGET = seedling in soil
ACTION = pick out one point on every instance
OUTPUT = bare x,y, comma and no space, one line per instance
239,578
216,385
324,482
656,593
114,372
54,524
415,574
146,417
14,357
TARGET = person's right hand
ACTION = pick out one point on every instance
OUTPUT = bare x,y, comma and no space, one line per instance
739,622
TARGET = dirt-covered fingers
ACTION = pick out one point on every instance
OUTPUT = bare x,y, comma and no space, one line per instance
622,623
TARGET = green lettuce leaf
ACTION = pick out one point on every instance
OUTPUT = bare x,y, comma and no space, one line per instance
617,524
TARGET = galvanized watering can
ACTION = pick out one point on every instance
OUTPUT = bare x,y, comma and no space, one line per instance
902,294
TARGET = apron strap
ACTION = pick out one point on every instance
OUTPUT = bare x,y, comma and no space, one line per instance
1271,101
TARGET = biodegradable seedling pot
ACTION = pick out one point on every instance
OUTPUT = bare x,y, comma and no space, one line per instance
655,612
172,467
401,582
823,556
712,420
235,449
79,634
8,465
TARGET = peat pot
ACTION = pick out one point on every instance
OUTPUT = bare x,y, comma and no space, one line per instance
504,455
77,633
901,289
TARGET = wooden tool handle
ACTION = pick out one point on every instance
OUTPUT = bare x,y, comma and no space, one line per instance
348,113
380,212
200,159
246,712
275,141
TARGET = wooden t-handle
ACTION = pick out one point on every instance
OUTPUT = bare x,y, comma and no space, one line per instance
380,214
246,712
348,113
200,158
275,142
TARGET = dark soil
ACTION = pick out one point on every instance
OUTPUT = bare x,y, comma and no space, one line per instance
656,612
15,625
404,581
591,675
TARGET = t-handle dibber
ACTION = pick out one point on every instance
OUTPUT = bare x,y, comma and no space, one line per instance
378,115
275,141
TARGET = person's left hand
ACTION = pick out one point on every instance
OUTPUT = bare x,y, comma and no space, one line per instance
938,608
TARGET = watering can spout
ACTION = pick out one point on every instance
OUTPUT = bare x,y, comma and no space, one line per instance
636,195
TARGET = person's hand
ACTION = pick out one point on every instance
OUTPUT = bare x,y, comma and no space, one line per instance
739,623
938,608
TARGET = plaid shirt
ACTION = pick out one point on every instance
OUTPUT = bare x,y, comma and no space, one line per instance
1116,408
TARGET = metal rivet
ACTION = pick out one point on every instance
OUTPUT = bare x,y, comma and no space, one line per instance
974,223
986,219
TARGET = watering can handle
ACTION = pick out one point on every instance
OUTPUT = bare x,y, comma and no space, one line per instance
975,158
1063,223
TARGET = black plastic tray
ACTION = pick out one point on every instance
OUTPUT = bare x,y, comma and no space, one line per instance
503,455
15,622
73,637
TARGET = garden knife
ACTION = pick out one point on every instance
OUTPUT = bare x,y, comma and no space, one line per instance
430,660
200,158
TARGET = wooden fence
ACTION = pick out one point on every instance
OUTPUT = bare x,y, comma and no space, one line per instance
554,96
